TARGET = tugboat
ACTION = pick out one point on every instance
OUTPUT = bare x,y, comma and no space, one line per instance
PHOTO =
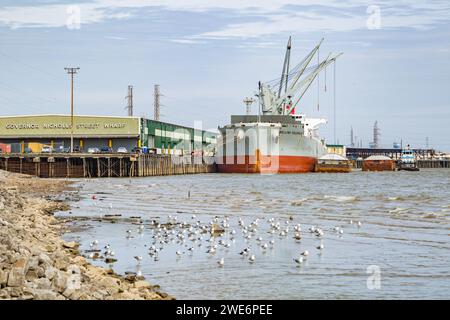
407,160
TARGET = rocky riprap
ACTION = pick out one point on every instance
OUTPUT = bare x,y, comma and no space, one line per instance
35,263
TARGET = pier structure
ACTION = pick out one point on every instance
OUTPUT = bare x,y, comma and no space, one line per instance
104,165
355,153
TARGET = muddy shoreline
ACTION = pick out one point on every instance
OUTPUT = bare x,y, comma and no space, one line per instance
35,263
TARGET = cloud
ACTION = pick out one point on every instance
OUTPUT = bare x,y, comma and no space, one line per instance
115,38
260,17
186,41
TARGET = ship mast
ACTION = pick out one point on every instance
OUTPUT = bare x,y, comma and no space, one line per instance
276,104
285,72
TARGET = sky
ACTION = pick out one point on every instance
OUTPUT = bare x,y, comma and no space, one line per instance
207,56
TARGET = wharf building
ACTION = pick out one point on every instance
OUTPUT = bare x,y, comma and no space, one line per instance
30,133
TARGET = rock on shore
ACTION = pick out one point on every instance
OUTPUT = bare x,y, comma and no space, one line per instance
35,263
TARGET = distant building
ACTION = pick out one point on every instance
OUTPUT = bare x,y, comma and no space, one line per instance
337,149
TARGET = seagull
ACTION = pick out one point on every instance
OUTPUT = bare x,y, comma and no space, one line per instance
320,247
178,253
252,258
299,260
305,253
138,259
319,233
212,250
221,262
244,252
341,231
359,224
297,236
264,246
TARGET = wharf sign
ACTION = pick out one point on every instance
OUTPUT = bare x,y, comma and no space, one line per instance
59,126
63,126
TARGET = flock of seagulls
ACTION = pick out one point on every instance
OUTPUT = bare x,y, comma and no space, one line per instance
217,236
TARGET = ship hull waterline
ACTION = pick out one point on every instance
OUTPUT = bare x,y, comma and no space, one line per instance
267,164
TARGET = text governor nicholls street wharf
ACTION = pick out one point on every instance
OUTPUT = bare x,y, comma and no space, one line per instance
64,126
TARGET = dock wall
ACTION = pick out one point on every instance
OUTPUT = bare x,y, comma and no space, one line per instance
96,166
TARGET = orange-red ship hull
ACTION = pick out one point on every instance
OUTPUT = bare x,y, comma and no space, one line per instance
267,164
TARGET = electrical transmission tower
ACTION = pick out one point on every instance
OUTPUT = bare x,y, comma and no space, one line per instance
248,103
157,103
352,141
376,135
129,98
72,72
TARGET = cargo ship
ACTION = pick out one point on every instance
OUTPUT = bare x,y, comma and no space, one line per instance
278,139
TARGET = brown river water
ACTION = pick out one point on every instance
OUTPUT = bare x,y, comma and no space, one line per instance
399,251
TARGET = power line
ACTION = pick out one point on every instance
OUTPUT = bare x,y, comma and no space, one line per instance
13,103
29,65
26,93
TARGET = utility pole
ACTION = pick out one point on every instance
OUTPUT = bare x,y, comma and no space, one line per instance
248,102
157,103
129,98
72,72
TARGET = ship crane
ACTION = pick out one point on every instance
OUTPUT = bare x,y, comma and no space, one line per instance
281,104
